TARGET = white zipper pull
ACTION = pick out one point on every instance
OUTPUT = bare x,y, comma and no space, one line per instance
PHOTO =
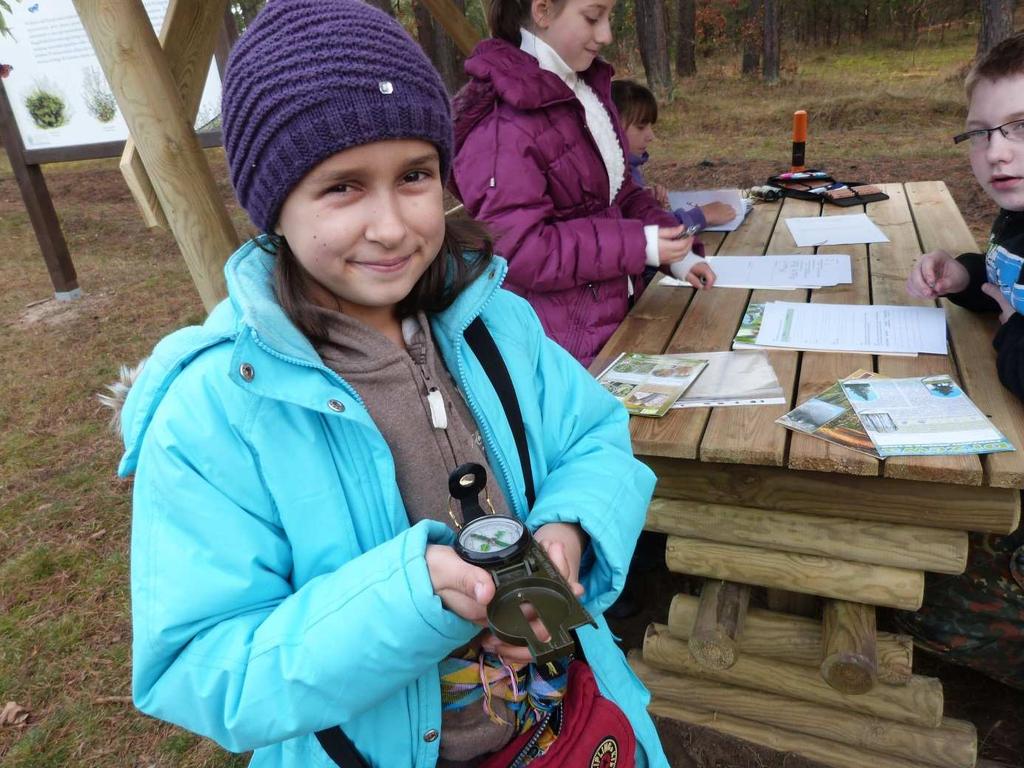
438,414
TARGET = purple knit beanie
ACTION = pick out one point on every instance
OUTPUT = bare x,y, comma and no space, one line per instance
309,78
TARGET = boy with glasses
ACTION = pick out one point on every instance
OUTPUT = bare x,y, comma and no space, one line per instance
995,141
977,618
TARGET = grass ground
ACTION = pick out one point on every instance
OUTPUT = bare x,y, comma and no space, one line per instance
876,115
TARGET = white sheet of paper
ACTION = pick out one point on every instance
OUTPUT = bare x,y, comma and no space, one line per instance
848,229
781,272
694,197
879,329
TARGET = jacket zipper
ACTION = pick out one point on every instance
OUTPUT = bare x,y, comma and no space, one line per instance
506,472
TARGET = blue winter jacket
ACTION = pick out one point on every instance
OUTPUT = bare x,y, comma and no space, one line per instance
277,587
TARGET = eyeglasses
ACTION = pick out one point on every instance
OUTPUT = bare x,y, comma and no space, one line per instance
980,137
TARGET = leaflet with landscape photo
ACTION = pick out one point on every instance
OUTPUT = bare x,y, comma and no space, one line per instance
830,417
781,272
648,385
731,197
877,329
928,416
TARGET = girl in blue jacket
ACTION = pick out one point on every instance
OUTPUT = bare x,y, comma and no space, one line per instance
292,560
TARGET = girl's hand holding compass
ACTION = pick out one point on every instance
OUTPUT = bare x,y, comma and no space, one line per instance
466,589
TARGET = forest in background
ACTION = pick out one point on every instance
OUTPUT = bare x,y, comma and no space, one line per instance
668,39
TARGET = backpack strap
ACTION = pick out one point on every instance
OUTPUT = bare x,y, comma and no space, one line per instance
486,351
340,749
335,742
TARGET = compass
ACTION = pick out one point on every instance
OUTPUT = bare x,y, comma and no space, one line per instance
523,575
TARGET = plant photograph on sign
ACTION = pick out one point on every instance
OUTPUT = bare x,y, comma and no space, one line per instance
46,105
97,96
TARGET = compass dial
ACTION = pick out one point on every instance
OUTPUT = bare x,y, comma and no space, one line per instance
491,539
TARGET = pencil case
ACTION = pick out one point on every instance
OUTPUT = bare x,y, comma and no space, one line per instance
855,194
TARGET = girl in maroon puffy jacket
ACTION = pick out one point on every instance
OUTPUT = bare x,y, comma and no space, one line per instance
540,157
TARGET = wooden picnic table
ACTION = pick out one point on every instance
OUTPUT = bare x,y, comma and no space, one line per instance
747,502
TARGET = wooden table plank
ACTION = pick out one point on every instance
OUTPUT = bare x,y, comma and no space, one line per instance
647,330
750,435
940,225
891,263
820,370
709,324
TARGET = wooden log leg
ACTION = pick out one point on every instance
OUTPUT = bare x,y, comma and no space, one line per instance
918,703
810,574
719,621
824,751
795,639
849,646
954,744
784,601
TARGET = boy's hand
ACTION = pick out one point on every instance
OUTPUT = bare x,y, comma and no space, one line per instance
718,213
701,275
563,543
937,274
464,589
660,194
1006,310
672,247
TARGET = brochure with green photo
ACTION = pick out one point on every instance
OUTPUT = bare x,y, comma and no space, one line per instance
746,337
829,416
648,385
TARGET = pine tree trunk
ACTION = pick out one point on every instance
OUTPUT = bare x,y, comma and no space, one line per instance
770,63
384,5
996,23
753,33
438,45
686,39
652,35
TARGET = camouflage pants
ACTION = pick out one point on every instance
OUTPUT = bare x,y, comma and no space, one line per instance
976,619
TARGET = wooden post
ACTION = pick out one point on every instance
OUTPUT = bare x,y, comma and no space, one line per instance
189,36
848,642
899,545
455,24
40,207
131,58
795,639
918,703
719,622
809,574
954,744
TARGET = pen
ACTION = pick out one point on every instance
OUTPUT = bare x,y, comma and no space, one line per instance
690,231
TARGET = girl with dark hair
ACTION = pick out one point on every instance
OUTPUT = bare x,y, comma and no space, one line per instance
540,157
638,111
295,588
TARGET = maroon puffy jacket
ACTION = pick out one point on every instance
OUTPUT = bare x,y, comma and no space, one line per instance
527,165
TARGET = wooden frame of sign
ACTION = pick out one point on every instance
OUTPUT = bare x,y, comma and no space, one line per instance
153,82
